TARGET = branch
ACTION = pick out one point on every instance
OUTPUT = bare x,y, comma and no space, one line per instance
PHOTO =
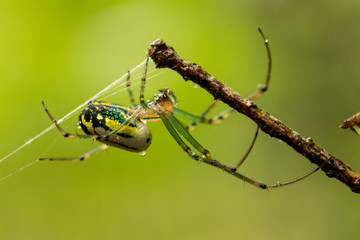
352,123
165,57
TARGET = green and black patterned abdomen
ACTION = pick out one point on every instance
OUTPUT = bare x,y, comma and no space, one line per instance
100,118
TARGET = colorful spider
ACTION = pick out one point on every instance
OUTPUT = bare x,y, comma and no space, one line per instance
126,128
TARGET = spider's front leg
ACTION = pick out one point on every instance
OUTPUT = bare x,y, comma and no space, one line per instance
202,118
176,129
223,115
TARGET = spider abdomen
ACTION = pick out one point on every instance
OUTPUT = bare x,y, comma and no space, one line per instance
100,118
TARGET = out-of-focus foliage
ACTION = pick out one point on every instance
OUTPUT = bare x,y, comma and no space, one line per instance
63,52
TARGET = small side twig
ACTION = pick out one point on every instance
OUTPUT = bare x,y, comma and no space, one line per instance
165,57
352,123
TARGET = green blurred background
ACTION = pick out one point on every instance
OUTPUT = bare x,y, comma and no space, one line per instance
64,52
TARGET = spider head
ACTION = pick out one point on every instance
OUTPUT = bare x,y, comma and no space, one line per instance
166,99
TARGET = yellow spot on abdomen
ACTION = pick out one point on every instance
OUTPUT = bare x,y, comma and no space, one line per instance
88,124
111,123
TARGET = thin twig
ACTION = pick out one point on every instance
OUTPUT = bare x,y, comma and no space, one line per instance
165,57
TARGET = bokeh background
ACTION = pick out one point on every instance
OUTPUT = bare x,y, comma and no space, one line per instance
64,52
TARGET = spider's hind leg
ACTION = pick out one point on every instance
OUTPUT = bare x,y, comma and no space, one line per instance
79,158
65,134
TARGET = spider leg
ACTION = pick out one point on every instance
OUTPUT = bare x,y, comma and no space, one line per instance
193,155
65,134
256,183
195,119
128,86
175,123
223,115
171,128
214,120
143,82
263,88
249,149
259,184
203,118
176,129
79,158
281,184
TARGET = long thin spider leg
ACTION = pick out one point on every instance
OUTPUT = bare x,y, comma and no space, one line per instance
281,184
177,138
263,88
201,118
249,150
256,183
230,170
79,158
223,115
172,123
183,145
206,111
143,82
65,134
210,161
128,86
182,130
194,123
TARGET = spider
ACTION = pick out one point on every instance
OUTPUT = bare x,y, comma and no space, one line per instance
126,128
